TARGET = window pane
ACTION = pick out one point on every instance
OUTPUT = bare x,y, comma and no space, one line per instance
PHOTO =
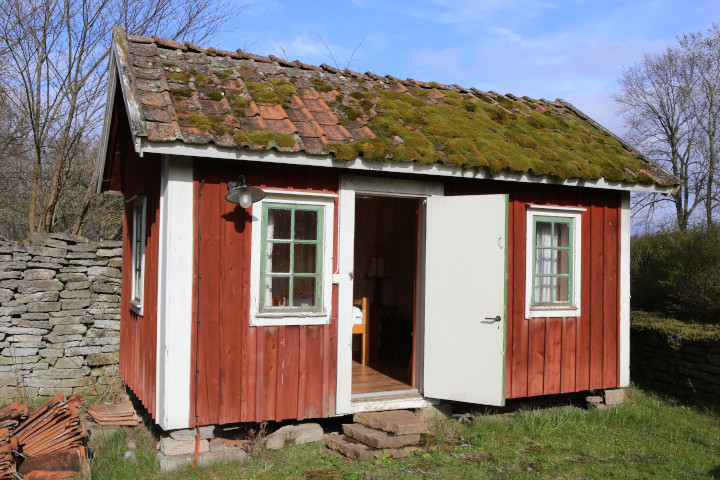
562,235
278,223
542,289
277,291
278,257
543,261
562,290
563,262
305,258
542,234
306,224
304,292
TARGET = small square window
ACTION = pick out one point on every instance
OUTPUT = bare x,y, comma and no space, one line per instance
553,269
291,260
291,269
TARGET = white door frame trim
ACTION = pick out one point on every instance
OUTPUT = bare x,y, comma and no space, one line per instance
350,185
175,282
624,367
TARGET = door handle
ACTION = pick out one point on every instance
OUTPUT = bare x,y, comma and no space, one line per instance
493,319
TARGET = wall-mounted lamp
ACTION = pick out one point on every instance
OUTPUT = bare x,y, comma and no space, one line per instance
242,193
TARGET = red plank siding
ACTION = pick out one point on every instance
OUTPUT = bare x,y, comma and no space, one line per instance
583,327
138,334
254,373
520,327
610,294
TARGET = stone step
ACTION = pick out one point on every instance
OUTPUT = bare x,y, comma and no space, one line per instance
397,422
378,438
359,451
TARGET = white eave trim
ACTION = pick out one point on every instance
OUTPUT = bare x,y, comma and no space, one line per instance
301,158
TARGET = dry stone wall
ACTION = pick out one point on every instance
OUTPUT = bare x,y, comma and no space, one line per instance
59,316
689,371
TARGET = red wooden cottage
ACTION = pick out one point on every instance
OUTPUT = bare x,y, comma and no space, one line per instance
415,242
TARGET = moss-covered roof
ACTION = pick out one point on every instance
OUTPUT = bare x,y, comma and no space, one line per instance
240,100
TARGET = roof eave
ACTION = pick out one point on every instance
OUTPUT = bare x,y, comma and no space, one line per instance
637,153
119,69
301,158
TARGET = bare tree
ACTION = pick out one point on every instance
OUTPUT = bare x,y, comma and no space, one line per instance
338,59
656,105
55,57
702,51
670,103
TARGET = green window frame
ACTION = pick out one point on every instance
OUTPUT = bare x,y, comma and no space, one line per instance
555,287
297,272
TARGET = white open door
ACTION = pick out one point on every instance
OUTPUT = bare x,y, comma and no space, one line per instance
465,282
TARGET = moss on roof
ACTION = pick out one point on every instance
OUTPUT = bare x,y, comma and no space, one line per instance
236,99
461,130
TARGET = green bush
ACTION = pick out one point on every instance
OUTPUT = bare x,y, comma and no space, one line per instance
677,273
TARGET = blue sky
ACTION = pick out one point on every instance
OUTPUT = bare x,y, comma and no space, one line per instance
571,49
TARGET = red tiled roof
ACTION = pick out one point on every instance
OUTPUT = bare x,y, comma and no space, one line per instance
240,100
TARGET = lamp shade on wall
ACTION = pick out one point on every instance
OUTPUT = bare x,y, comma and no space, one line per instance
243,194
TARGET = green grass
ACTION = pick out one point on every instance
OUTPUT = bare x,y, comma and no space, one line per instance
647,437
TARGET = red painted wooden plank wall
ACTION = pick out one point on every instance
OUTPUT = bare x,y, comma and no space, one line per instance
253,373
558,355
138,334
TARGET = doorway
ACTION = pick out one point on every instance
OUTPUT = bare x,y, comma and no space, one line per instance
384,289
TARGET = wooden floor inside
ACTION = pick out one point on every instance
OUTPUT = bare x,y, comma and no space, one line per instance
379,378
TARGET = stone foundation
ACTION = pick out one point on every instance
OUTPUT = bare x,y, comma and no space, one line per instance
59,316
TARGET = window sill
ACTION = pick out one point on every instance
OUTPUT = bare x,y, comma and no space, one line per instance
136,307
289,318
551,311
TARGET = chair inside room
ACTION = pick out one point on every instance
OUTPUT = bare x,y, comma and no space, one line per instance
362,329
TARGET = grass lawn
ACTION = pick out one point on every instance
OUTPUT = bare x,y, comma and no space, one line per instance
647,437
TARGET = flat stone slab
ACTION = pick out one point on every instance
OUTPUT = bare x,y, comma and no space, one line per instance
168,463
377,438
359,451
615,396
189,434
294,434
171,447
94,429
397,422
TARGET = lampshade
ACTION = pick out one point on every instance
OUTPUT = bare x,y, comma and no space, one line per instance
243,194
379,268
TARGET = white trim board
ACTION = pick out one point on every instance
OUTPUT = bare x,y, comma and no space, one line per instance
350,185
624,367
175,293
301,158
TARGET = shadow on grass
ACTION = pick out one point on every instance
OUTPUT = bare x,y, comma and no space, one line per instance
697,405
715,472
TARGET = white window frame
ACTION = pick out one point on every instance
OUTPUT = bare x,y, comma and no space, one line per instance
137,300
258,318
575,214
